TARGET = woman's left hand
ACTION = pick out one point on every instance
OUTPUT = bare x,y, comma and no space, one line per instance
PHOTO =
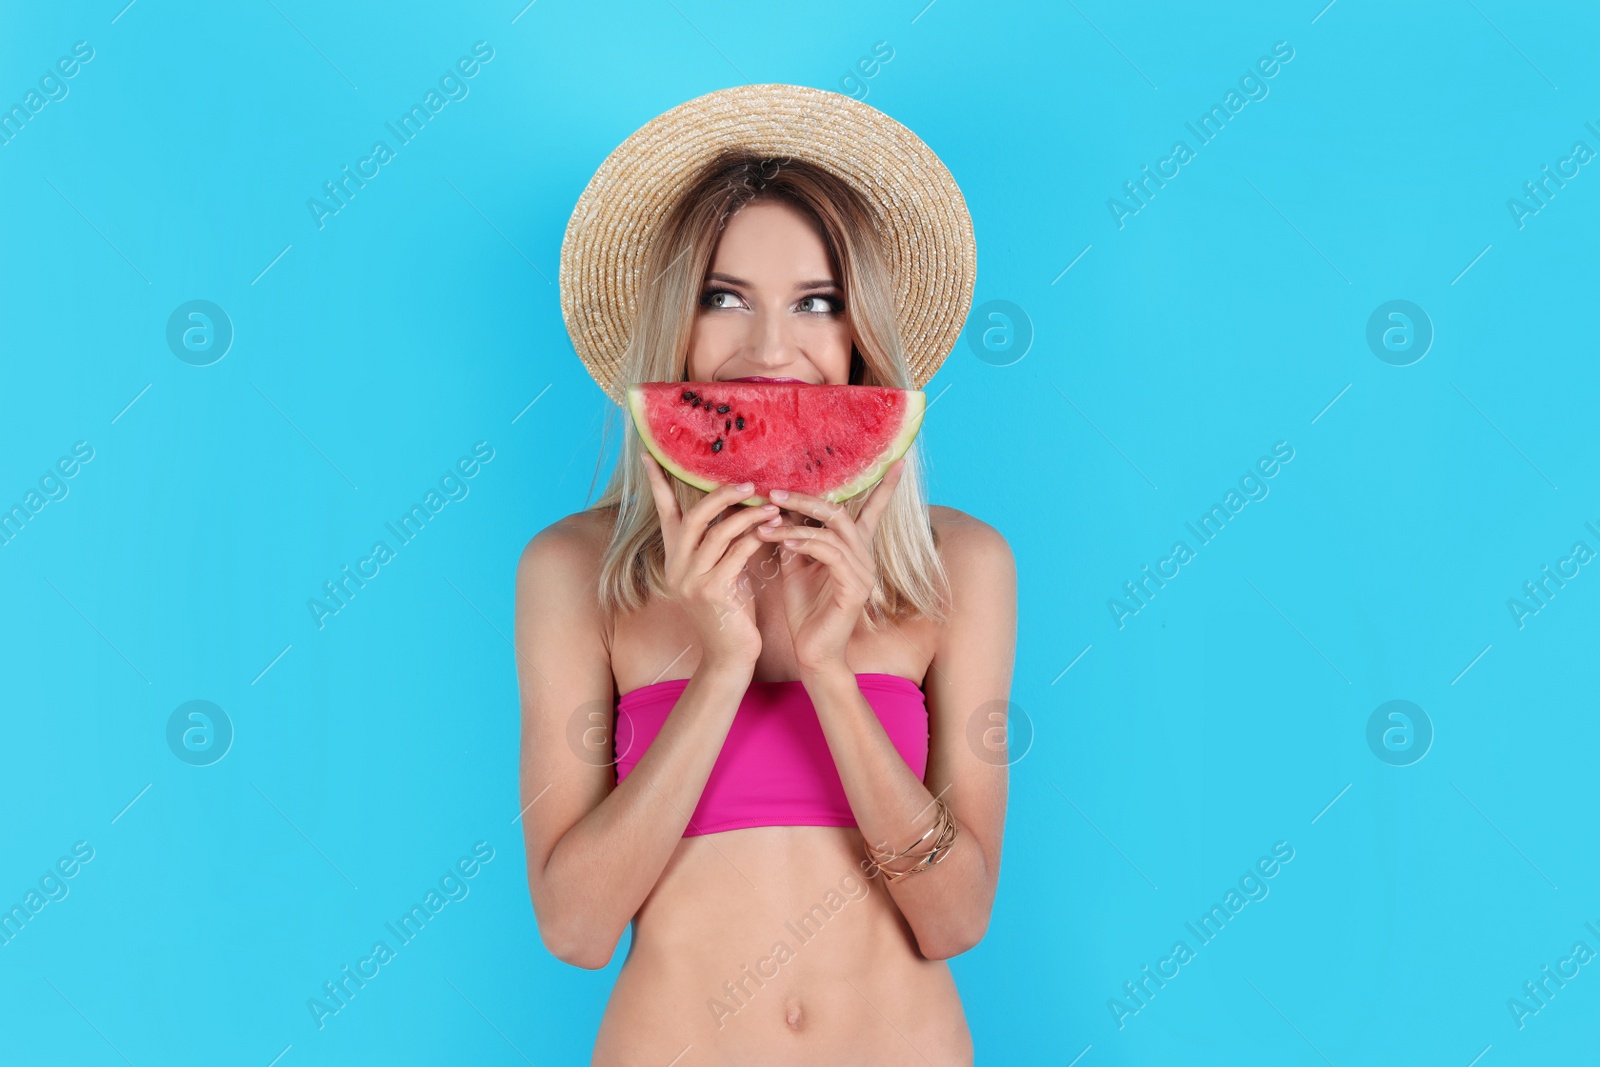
828,571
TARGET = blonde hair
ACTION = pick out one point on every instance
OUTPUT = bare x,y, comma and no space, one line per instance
912,577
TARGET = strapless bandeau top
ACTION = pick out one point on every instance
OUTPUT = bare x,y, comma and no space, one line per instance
775,767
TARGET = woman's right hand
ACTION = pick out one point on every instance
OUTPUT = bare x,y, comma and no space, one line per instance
705,562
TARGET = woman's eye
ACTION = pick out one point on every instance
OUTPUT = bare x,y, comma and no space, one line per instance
713,299
826,304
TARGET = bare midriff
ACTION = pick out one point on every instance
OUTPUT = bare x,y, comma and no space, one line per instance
769,945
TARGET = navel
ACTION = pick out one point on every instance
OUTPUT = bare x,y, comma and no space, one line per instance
792,1013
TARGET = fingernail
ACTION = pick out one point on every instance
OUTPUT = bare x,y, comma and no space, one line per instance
775,520
779,494
745,487
769,507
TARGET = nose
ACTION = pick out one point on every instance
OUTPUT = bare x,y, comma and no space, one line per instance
772,343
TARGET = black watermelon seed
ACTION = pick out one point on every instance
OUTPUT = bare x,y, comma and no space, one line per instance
695,402
739,422
687,394
716,445
722,409
830,449
726,424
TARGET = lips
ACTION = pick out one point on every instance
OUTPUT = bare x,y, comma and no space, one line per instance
763,378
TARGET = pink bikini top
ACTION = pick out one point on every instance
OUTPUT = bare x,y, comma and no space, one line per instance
775,767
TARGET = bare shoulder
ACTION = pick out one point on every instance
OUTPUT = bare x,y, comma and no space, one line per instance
565,555
967,542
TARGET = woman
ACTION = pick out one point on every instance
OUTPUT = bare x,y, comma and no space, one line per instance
800,810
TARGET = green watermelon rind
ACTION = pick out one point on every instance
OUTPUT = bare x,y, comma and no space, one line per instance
916,406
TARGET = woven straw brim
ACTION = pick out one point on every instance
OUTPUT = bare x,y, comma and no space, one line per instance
928,231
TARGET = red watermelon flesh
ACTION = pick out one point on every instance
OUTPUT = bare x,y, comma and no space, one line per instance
830,441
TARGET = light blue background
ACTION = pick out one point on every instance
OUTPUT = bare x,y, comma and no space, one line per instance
1228,314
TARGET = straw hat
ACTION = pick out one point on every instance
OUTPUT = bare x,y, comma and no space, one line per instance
928,236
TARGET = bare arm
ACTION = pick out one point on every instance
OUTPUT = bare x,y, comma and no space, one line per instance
595,848
948,905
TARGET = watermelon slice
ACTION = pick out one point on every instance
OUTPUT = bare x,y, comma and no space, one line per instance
830,441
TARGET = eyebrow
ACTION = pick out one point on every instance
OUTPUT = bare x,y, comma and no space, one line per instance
826,283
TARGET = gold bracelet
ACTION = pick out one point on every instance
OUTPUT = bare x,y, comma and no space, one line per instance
925,860
883,855
947,829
